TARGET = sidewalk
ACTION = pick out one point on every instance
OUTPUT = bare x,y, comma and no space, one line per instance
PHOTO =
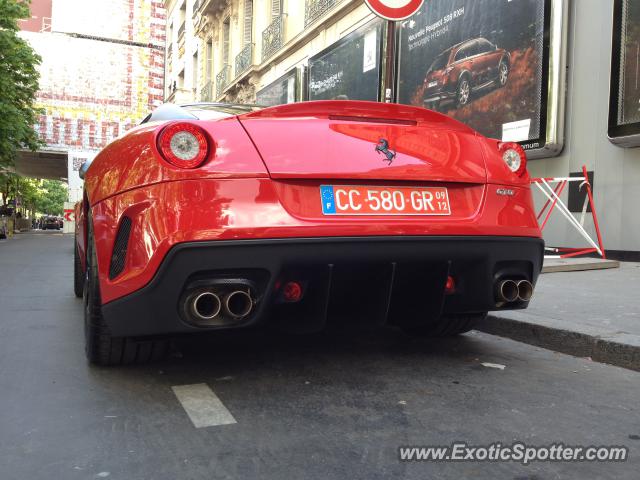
587,314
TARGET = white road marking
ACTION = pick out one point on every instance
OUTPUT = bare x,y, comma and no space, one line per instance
203,406
494,365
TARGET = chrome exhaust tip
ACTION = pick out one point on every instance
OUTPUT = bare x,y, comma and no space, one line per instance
238,304
525,290
205,306
507,291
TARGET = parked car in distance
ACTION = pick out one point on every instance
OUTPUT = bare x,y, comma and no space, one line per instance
463,69
51,223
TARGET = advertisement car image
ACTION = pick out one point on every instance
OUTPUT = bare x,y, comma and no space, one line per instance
209,217
482,62
463,69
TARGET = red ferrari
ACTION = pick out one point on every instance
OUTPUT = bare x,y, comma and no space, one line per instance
212,216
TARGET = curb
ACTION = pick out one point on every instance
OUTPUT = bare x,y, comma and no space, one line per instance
614,348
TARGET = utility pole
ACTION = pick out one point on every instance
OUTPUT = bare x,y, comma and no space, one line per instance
390,62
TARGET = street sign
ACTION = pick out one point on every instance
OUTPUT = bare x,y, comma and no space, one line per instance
394,9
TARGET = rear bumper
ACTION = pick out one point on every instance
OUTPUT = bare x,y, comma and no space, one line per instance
377,280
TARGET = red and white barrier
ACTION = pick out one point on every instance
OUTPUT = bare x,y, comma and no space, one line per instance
552,188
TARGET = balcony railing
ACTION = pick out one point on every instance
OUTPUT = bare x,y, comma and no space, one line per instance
206,94
273,38
196,6
181,30
244,60
314,9
222,79
212,7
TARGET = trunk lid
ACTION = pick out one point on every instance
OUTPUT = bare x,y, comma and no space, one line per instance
364,141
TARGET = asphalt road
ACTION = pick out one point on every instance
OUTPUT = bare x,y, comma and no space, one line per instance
326,407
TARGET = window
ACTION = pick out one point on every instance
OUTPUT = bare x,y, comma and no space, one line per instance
183,19
209,53
181,80
462,54
276,9
194,72
624,94
441,61
226,33
247,33
485,46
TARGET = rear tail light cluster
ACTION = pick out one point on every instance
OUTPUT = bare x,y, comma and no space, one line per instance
184,145
514,157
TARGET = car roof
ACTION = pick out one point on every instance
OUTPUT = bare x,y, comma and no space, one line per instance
198,111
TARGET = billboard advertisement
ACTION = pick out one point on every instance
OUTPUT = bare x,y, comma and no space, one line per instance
482,62
350,68
624,107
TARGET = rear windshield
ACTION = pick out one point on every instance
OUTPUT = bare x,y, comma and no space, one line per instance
213,111
441,61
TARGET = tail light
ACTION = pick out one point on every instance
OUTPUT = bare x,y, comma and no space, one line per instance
514,157
183,145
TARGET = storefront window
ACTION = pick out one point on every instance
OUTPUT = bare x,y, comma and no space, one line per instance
350,68
283,90
624,110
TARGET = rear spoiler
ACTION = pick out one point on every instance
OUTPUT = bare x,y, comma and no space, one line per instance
354,110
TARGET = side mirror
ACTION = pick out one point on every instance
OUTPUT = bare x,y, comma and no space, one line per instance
83,168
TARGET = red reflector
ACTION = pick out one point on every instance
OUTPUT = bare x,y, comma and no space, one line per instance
450,286
292,292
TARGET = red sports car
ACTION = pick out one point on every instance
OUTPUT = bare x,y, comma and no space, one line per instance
211,216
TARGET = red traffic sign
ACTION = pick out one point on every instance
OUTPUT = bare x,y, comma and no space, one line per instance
394,9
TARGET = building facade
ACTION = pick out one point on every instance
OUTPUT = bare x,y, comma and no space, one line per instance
228,50
102,71
266,51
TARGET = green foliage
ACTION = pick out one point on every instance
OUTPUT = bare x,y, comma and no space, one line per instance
53,194
41,196
18,83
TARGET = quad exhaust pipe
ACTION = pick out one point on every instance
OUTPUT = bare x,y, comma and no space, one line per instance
205,306
211,307
509,291
525,290
238,304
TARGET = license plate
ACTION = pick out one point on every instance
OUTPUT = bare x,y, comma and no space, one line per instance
357,200
432,84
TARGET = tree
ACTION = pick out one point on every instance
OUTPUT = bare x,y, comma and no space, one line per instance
18,84
36,196
51,198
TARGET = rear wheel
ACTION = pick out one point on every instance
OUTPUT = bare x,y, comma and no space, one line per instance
503,73
78,276
101,348
447,326
463,93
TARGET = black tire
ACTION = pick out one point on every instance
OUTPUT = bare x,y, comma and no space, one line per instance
463,92
78,274
100,347
447,326
503,73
